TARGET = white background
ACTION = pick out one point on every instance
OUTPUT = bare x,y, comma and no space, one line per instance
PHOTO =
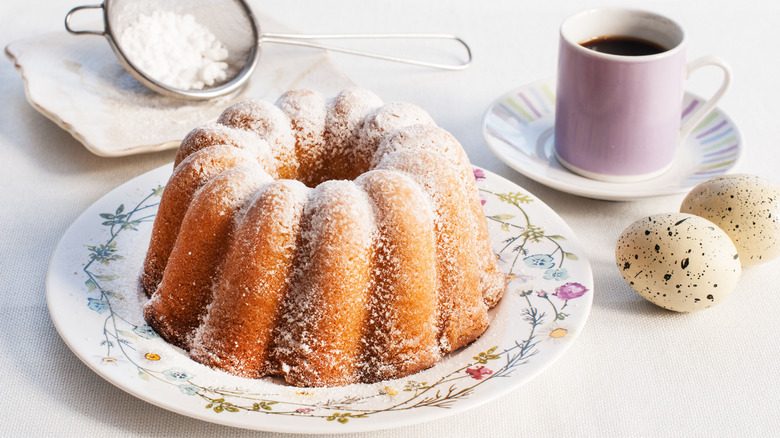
635,370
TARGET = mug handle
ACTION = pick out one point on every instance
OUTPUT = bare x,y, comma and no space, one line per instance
698,115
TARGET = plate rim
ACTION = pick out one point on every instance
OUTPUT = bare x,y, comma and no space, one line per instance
584,190
60,324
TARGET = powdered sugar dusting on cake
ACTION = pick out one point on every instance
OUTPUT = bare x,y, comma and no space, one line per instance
325,311
307,111
463,316
346,115
402,330
389,118
177,307
215,134
187,178
381,122
270,123
423,137
237,334
369,277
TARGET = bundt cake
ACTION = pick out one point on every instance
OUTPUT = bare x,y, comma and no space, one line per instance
325,241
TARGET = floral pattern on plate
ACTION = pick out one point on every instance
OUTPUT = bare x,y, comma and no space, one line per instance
96,304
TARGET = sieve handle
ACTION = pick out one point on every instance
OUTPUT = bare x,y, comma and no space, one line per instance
306,40
82,32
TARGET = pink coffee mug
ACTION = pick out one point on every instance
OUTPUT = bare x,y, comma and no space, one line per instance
618,116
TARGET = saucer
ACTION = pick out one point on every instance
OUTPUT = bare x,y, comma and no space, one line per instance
518,129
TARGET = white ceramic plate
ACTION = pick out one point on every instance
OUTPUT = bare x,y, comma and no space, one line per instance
518,128
94,300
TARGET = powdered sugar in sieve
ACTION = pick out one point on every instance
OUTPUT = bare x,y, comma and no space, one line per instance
200,49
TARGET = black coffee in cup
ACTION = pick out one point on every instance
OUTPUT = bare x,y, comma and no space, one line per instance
623,45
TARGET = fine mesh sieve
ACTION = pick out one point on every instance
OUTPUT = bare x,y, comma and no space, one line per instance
234,25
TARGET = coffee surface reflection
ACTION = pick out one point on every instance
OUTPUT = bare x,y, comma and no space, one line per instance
623,45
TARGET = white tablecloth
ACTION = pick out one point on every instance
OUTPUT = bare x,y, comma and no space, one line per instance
634,370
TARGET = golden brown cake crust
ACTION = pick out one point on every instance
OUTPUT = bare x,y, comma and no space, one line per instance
176,309
187,178
237,334
404,304
327,241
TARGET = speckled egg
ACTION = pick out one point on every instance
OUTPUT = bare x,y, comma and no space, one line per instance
746,207
678,261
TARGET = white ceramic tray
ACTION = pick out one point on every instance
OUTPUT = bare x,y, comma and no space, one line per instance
77,82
